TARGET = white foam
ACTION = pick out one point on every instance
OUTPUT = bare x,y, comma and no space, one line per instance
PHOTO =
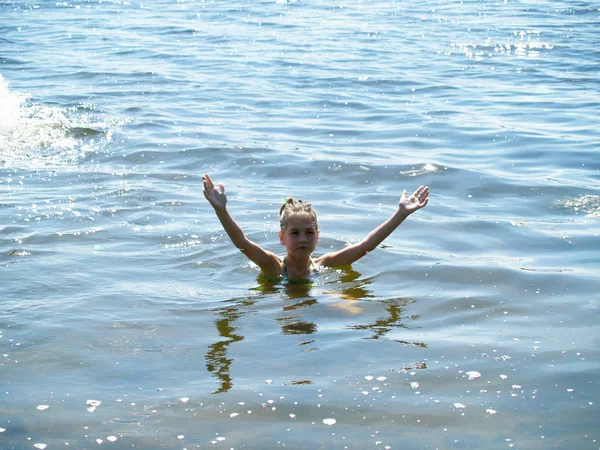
10,110
36,135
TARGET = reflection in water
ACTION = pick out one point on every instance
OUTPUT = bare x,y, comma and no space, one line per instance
418,365
307,302
350,288
296,297
216,357
298,327
291,324
297,382
353,288
291,290
393,320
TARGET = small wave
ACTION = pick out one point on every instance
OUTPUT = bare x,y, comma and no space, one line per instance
19,252
587,204
416,171
10,108
546,270
35,135
520,43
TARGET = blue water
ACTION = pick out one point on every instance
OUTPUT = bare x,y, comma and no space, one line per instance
129,320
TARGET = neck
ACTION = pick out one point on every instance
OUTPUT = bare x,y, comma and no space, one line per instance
298,267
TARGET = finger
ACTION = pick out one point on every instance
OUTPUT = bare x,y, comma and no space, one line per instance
209,182
221,188
423,192
206,187
207,191
418,191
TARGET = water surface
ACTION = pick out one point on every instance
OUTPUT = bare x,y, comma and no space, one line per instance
129,320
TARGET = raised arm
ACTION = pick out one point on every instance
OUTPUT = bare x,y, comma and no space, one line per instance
406,207
269,262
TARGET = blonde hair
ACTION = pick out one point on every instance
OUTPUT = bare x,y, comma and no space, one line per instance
292,207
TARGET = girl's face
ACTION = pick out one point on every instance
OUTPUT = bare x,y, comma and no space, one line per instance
300,235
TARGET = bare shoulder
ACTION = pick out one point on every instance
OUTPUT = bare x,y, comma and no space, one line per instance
271,264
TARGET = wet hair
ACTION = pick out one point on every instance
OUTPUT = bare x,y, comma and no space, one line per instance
292,207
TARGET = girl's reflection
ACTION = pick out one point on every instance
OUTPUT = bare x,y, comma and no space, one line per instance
217,361
348,287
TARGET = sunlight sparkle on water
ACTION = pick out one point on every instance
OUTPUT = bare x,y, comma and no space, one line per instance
473,375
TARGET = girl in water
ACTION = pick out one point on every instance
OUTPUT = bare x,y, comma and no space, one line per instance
300,233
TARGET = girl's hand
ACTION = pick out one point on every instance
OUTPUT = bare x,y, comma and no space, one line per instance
216,197
417,200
